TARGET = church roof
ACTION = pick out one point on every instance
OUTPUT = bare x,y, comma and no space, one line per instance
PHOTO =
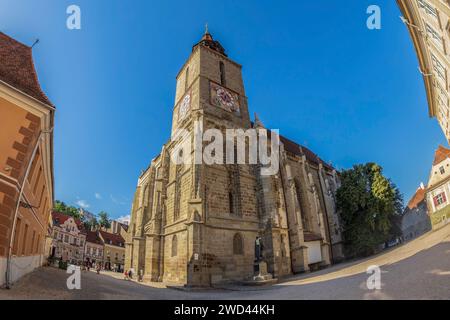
17,68
208,41
299,150
441,154
417,198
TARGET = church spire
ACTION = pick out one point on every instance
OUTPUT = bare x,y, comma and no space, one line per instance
258,123
208,41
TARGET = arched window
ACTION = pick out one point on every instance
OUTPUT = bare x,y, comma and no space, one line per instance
178,173
174,246
238,244
222,73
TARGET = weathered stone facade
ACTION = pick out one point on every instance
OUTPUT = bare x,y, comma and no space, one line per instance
196,224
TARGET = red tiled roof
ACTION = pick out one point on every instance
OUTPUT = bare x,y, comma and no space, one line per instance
59,218
418,197
17,68
113,239
440,155
310,236
93,237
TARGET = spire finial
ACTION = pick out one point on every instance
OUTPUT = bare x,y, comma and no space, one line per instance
206,28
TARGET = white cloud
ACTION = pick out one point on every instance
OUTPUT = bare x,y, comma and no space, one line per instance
83,204
98,196
117,201
125,219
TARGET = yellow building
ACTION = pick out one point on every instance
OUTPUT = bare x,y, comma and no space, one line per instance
114,251
26,162
429,25
438,189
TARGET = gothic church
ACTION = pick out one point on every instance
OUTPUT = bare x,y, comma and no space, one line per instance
196,224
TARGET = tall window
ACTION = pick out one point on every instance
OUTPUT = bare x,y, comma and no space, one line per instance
16,236
37,243
231,202
24,240
442,170
174,246
303,211
33,166
38,179
186,79
177,198
222,73
33,237
238,244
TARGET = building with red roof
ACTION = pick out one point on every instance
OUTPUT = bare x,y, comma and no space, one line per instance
114,251
68,239
415,220
438,188
26,161
94,249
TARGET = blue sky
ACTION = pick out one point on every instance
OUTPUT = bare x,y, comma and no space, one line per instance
312,70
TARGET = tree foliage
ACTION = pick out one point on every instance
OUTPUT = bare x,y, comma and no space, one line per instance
91,224
370,206
104,220
61,207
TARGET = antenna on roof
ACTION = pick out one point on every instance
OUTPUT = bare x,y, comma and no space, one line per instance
35,43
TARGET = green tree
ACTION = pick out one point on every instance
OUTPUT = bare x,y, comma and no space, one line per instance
370,206
60,206
91,224
104,220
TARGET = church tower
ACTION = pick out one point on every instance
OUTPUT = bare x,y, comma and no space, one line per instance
217,202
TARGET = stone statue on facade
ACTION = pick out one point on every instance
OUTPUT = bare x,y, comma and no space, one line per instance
259,247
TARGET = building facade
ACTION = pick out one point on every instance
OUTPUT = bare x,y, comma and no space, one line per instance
429,25
26,162
114,251
196,224
68,239
438,189
94,250
118,228
415,220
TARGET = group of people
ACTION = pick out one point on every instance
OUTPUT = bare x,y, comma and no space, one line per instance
128,275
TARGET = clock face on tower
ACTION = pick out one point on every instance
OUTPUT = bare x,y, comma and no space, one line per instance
224,98
185,106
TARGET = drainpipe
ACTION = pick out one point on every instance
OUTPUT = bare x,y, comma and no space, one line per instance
16,211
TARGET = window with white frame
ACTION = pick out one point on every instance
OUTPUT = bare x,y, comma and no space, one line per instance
429,9
438,67
434,34
439,199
